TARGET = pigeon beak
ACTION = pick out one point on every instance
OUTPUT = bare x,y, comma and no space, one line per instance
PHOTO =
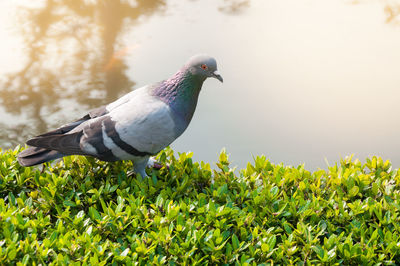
217,76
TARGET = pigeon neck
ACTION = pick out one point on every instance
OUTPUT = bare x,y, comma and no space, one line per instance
181,92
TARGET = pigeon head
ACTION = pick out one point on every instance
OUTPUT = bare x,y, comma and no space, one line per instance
204,67
181,91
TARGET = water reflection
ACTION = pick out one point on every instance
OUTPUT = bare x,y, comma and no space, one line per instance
391,9
234,7
392,12
301,82
71,61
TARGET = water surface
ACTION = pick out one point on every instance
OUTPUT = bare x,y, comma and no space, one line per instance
304,80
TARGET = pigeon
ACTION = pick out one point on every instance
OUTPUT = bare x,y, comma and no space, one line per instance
135,127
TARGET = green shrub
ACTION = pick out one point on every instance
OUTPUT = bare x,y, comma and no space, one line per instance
84,211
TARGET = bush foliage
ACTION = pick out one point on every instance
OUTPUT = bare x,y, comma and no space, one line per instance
84,211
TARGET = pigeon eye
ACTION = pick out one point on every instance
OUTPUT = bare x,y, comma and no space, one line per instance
204,67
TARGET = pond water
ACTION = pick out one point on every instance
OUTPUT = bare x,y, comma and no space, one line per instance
304,80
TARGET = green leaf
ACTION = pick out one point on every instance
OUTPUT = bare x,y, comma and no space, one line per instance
25,260
69,203
235,242
271,242
11,198
12,253
94,214
354,191
264,247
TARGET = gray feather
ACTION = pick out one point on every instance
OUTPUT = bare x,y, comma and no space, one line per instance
70,126
64,143
93,135
112,133
35,155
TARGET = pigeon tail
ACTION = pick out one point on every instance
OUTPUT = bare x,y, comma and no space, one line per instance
64,143
34,155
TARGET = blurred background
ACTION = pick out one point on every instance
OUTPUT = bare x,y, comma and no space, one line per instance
305,81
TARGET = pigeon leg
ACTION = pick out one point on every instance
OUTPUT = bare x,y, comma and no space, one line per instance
140,166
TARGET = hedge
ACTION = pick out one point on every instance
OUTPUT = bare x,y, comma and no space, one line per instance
82,211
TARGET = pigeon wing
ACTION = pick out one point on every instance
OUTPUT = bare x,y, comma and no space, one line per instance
66,139
70,126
